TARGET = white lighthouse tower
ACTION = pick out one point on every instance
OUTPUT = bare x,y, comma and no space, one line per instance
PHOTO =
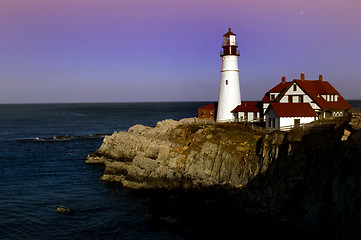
229,91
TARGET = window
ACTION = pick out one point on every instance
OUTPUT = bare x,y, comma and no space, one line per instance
274,123
254,115
290,99
300,99
269,122
294,87
211,114
297,122
272,96
226,82
202,113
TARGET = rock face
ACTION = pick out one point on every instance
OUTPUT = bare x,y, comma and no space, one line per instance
180,155
316,175
313,176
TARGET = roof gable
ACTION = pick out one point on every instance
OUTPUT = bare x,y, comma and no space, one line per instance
279,88
316,88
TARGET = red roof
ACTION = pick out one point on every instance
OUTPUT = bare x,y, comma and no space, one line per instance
209,106
229,33
313,88
293,109
316,88
247,107
277,89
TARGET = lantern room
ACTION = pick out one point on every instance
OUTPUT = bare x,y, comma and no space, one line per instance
229,44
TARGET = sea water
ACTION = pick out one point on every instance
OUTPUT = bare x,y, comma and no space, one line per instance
43,148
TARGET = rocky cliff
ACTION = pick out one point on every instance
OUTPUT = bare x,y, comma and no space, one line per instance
316,175
180,155
304,180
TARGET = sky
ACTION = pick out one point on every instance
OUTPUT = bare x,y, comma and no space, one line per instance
165,50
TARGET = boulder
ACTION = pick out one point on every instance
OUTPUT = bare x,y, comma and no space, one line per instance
63,210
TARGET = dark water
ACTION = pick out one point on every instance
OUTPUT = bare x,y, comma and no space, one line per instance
40,171
355,103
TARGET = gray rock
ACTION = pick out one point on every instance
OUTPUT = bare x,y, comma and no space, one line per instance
173,154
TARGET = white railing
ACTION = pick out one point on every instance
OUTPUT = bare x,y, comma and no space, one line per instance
306,126
229,43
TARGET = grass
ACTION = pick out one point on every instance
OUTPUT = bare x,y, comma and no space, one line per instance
235,138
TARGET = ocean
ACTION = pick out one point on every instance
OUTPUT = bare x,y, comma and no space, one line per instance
43,148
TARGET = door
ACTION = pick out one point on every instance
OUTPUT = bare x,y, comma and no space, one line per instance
297,122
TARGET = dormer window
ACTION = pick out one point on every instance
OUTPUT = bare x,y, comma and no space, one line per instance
272,96
331,98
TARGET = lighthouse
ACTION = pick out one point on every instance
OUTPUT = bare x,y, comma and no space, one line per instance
229,91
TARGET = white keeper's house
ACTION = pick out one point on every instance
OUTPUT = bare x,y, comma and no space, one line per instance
301,101
280,115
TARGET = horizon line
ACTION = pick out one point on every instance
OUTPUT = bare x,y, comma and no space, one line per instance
185,101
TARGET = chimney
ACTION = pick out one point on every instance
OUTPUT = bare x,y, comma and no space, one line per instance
320,77
283,79
302,76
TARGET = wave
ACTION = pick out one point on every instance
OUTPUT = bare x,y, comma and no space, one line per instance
64,138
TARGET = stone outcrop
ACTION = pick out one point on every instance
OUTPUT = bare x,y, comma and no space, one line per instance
180,154
308,178
63,210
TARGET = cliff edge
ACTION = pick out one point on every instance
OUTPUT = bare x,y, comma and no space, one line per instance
180,154
303,183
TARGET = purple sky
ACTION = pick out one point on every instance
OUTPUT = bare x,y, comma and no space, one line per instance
164,50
